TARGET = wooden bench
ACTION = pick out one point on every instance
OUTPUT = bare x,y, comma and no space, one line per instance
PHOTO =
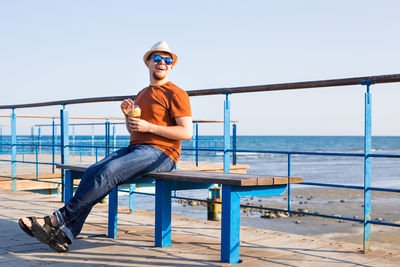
234,186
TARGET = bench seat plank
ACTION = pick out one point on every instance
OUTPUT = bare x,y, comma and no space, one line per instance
237,179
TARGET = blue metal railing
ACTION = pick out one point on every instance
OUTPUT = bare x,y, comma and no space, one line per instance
227,150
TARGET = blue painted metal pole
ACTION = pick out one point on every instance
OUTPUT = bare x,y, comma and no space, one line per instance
288,191
55,139
107,138
13,151
163,214
227,133
32,136
64,146
93,149
73,149
367,168
197,144
69,186
230,228
114,137
53,144
39,138
132,197
194,143
234,143
37,162
113,213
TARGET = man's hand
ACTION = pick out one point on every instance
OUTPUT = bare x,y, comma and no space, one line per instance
125,105
138,125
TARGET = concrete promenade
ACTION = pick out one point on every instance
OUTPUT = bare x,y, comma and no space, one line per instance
194,242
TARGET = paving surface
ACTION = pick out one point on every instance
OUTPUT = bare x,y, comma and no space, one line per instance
194,242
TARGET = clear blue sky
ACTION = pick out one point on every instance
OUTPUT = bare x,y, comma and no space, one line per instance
54,50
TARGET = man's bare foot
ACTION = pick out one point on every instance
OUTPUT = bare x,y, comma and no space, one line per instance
27,221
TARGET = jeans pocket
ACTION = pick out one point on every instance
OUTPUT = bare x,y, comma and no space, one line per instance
167,166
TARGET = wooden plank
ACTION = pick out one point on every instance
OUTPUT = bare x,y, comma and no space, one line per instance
264,181
238,179
295,180
280,180
202,177
73,167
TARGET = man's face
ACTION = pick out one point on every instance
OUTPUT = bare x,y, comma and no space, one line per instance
159,70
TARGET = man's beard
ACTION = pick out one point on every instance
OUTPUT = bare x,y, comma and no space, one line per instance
158,77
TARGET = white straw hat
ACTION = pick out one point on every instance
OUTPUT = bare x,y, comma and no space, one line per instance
161,46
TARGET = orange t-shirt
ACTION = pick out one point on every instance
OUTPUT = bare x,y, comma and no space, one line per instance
161,105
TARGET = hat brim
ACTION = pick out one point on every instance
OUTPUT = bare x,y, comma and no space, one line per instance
148,53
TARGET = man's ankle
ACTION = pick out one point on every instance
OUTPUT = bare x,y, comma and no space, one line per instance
54,221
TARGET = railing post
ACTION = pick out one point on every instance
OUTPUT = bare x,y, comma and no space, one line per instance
227,133
53,144
13,151
234,143
37,162
64,146
367,168
93,149
107,138
132,198
39,138
114,138
194,142
32,138
197,144
288,191
73,148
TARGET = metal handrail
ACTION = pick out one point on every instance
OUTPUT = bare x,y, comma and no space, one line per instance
234,90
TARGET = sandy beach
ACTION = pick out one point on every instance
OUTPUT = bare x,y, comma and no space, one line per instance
329,201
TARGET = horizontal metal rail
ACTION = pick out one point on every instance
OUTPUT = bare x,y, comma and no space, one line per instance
316,214
30,179
391,78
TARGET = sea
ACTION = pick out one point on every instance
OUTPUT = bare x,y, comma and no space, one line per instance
335,169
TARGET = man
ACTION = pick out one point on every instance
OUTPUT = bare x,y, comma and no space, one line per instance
155,145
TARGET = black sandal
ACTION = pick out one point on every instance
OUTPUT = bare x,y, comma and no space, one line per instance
53,236
59,240
24,227
43,233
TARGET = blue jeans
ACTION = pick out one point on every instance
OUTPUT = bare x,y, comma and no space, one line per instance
122,166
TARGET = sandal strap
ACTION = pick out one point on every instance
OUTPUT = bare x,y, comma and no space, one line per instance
47,221
61,237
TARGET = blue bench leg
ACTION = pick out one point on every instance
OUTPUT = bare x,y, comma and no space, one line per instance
112,213
132,196
163,214
230,225
69,186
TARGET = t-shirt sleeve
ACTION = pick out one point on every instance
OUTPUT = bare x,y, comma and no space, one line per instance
180,105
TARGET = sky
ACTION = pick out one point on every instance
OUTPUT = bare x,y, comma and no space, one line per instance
58,50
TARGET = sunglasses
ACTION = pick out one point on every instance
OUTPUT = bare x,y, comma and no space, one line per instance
158,59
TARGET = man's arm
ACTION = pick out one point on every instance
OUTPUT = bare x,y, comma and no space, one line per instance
182,131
